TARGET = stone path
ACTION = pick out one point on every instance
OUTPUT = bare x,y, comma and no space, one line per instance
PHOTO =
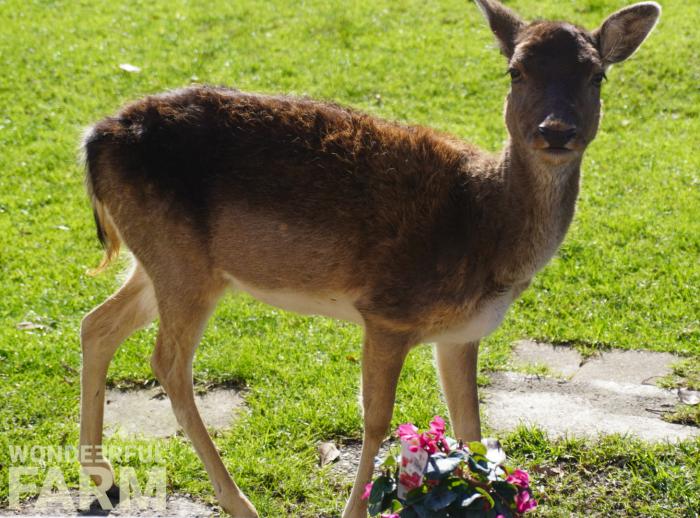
612,393
148,412
176,506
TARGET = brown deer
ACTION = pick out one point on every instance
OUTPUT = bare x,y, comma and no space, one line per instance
317,208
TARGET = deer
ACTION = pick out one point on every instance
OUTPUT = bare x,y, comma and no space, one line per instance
317,208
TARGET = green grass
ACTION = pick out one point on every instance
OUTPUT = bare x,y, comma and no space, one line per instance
627,275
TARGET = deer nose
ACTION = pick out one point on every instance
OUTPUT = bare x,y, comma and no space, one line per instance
557,133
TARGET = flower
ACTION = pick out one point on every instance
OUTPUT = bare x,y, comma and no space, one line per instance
428,442
393,515
520,478
437,427
431,441
524,502
408,433
368,490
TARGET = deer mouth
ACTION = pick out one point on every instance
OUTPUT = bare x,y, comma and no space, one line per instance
556,154
553,150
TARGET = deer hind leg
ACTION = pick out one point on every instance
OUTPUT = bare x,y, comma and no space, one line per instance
383,356
184,311
131,307
457,365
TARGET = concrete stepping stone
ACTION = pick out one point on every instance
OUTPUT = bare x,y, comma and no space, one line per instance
176,506
148,412
610,393
627,367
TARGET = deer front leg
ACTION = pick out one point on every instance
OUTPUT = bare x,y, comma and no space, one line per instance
382,358
457,365
182,322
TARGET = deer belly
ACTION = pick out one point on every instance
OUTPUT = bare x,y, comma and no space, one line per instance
339,306
478,325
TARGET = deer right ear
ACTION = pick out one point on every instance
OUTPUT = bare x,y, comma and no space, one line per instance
624,31
504,23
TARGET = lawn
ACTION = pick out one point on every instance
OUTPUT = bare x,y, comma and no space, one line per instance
627,275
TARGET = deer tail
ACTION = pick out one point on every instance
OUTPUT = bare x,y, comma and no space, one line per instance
94,144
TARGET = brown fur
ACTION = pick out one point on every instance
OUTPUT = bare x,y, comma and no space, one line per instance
410,232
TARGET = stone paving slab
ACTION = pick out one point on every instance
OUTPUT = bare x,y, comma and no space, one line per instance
149,413
582,409
177,506
610,393
627,367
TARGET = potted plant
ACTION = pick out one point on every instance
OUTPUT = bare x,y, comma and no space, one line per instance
430,475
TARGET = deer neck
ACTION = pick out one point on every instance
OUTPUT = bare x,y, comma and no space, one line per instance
540,198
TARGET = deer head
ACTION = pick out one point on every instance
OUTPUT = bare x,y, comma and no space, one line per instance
557,69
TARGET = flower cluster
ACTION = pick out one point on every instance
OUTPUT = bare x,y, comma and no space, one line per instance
432,440
430,474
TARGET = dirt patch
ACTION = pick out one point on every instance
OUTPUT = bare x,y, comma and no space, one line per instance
345,466
610,393
148,412
176,506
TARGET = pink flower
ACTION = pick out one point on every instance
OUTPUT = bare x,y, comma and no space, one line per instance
368,490
519,478
393,515
428,442
524,502
437,427
407,432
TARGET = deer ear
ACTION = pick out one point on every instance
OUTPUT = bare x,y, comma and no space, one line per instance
624,31
504,23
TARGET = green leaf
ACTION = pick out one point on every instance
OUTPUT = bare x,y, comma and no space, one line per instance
504,490
477,447
381,495
486,495
421,511
477,466
439,498
416,495
408,512
441,467
389,462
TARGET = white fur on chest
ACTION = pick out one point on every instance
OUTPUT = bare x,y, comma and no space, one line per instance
338,306
477,325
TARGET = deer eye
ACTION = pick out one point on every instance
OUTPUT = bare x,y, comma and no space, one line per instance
598,78
515,74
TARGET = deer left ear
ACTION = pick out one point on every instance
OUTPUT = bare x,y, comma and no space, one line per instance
624,31
504,23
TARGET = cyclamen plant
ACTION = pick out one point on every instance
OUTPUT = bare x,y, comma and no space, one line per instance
430,475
